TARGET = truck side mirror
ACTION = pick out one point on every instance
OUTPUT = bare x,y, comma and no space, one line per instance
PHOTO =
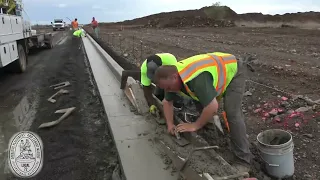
51,23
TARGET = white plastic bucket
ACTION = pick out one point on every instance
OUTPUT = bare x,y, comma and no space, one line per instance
276,150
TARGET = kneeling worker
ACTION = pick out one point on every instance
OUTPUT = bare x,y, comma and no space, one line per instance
148,68
206,78
79,33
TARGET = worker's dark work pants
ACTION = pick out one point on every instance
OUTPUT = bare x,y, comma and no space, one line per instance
96,32
232,101
75,40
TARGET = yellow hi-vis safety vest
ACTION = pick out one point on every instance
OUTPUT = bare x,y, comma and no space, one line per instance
78,33
221,66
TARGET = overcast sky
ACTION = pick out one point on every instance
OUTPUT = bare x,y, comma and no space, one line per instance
44,11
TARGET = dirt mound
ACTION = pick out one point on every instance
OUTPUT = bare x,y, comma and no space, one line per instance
221,16
189,22
214,16
288,17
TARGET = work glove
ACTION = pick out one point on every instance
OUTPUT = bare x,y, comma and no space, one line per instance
153,110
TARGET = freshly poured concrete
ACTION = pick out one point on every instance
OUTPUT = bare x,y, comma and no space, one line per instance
132,133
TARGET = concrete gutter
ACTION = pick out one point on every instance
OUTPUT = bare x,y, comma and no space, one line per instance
132,133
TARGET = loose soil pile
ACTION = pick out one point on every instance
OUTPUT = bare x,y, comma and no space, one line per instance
214,16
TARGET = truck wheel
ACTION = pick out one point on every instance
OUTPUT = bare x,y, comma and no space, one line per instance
20,65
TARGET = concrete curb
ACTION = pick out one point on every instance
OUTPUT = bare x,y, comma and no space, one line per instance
112,64
132,133
132,90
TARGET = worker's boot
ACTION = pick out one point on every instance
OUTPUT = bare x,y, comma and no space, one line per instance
241,165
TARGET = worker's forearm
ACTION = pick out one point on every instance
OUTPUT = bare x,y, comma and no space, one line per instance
206,115
147,90
168,111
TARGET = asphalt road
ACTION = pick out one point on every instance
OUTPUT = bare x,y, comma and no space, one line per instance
80,147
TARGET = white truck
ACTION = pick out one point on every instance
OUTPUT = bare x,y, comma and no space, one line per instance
17,37
58,24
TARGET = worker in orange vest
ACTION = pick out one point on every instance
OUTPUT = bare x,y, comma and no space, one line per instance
94,25
206,78
74,24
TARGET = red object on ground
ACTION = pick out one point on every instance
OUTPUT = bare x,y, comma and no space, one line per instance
280,110
257,110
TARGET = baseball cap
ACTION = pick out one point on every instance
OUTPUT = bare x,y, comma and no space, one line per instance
153,63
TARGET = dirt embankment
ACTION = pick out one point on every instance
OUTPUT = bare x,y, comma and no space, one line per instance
288,17
221,16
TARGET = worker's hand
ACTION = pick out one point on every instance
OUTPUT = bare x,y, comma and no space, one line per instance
187,127
171,128
153,110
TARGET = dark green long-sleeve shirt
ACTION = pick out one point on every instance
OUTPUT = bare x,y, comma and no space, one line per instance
202,86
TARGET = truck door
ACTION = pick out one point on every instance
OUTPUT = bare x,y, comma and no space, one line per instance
5,25
17,26
5,56
13,51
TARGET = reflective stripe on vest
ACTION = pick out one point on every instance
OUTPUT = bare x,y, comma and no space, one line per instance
213,60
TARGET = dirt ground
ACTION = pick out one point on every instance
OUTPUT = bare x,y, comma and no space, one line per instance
70,148
287,64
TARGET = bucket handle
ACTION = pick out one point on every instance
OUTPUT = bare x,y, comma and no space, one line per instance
272,165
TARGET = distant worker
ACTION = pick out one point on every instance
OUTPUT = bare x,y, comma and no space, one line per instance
206,78
74,24
148,68
94,25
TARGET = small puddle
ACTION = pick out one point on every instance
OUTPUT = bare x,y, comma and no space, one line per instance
14,119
